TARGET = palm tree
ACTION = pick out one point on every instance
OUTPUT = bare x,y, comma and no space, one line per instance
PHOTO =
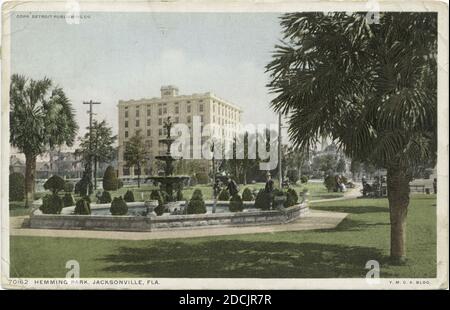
371,87
41,118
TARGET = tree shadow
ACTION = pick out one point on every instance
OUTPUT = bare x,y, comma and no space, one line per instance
353,210
241,259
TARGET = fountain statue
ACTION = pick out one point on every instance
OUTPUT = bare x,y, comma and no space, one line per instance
169,182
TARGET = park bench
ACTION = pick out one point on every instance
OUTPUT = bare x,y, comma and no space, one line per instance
417,188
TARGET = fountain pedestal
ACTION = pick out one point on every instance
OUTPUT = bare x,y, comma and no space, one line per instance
169,182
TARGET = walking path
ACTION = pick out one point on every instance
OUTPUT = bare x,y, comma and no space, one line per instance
314,219
349,194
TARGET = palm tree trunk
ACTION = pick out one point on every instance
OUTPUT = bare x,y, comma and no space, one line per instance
398,196
30,172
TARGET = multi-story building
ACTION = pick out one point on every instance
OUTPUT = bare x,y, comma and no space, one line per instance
148,116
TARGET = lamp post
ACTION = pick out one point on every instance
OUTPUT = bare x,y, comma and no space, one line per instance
214,179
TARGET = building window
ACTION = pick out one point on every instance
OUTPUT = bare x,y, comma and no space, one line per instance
160,131
177,109
201,118
126,124
200,108
137,111
126,171
149,132
148,122
160,111
164,110
126,134
189,119
189,108
177,119
159,121
149,111
137,123
126,113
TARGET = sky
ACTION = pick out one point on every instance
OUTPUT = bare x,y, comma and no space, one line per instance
114,56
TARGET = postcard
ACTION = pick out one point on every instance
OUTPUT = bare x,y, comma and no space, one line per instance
224,145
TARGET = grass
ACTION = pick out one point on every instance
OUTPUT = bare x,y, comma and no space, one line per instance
340,252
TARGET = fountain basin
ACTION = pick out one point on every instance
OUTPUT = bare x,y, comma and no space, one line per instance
248,217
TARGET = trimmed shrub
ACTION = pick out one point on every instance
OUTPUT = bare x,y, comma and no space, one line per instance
119,183
197,194
110,182
330,183
224,195
304,179
202,178
236,204
16,186
247,195
83,207
105,197
292,175
262,200
68,200
51,204
291,199
54,184
159,210
196,204
118,206
129,196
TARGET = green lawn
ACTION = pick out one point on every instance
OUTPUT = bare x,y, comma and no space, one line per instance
340,252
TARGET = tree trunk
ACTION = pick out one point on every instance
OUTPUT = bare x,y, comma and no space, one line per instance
30,172
398,196
139,175
95,172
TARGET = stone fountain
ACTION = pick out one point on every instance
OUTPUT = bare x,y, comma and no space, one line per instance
169,182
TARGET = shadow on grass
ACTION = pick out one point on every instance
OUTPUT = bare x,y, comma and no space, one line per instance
327,196
239,259
354,210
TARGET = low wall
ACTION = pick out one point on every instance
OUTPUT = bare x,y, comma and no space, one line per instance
166,222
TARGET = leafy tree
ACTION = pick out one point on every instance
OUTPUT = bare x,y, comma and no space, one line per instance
135,154
41,118
326,163
335,70
355,168
340,166
98,147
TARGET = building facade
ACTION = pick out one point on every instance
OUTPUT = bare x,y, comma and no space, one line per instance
148,116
